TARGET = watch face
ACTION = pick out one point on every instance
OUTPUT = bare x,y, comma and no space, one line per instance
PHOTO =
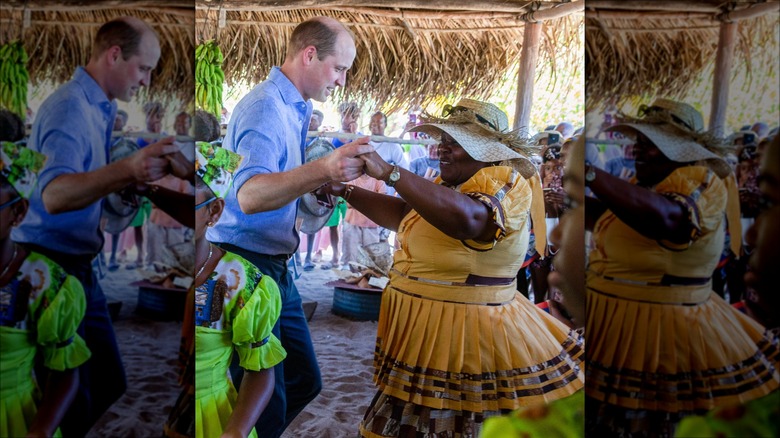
590,175
394,176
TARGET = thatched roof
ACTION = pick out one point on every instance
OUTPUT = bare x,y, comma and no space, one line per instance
407,52
59,38
651,48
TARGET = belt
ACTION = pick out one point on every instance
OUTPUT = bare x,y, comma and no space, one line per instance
278,257
60,257
471,280
666,280
238,250
657,292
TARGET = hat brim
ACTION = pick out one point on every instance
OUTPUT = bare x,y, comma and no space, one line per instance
476,144
314,215
524,166
545,134
117,214
319,148
676,145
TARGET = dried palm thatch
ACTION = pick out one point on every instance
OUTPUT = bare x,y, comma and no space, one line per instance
59,39
405,56
630,55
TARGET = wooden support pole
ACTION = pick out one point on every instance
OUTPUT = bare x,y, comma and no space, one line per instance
526,74
720,86
654,5
87,5
518,6
752,11
561,10
376,138
412,32
638,15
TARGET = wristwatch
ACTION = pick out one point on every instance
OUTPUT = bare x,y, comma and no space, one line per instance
590,174
394,176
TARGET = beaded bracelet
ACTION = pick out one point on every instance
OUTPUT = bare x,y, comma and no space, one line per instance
348,192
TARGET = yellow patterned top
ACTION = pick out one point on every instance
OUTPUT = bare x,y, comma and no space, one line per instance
428,253
622,252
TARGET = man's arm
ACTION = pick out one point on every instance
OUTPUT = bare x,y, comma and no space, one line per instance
270,191
74,191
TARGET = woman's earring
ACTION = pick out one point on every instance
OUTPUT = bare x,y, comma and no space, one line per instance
209,224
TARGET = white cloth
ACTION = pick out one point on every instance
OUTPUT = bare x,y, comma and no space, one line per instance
552,222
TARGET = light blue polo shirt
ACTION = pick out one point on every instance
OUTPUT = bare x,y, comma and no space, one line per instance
73,130
268,128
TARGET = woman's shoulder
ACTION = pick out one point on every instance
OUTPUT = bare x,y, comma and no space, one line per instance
51,287
698,172
492,180
42,272
690,179
237,271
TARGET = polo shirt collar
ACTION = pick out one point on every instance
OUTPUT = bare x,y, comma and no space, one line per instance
290,94
95,94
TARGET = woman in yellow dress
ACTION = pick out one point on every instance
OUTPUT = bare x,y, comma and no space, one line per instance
456,343
661,344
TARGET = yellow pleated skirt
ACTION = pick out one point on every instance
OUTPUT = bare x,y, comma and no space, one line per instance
675,349
477,349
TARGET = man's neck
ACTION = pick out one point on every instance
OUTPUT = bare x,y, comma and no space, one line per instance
94,72
288,70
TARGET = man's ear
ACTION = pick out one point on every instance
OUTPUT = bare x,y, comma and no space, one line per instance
309,53
113,54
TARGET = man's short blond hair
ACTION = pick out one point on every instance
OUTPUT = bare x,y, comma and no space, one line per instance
320,32
125,32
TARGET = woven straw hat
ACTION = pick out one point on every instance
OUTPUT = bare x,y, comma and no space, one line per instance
474,136
677,129
546,134
482,130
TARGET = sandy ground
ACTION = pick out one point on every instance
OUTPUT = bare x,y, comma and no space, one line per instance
345,354
149,349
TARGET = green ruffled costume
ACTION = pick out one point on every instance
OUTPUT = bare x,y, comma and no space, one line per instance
756,418
45,322
235,308
563,418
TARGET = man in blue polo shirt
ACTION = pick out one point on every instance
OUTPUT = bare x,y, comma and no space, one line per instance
73,129
268,128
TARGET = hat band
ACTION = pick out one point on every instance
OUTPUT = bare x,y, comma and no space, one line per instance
449,110
645,110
